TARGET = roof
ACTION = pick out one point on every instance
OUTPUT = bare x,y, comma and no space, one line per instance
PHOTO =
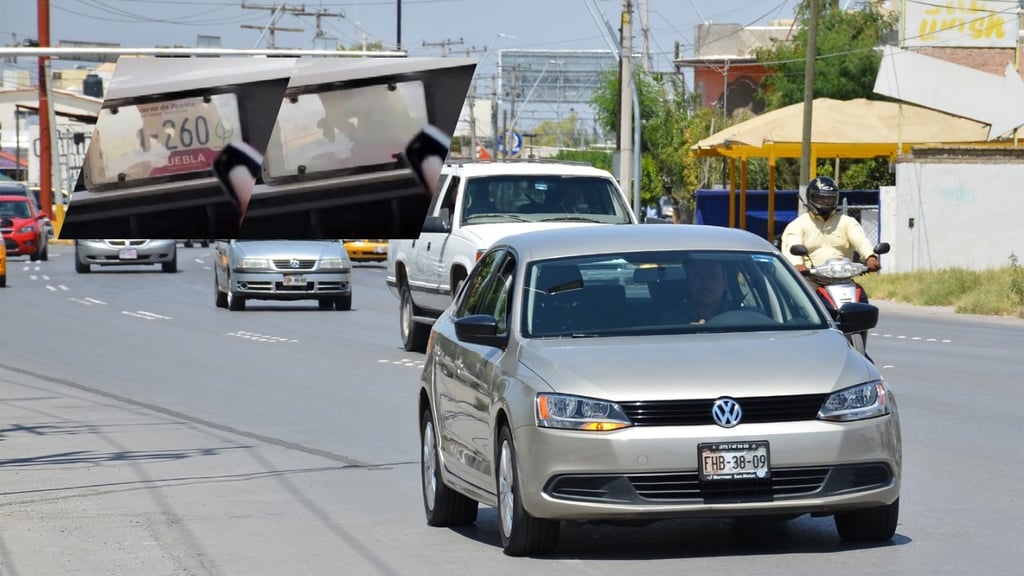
542,167
584,240
847,128
732,42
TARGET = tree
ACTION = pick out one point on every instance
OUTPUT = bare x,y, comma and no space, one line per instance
847,62
845,69
667,130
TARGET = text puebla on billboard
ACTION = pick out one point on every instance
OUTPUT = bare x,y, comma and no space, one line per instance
960,23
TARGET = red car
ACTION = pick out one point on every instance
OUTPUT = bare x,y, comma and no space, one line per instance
22,228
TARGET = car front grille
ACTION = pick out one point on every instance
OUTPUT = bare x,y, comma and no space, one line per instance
126,243
10,244
687,487
698,412
286,264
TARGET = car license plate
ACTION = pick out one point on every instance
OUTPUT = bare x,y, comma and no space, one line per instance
294,280
162,138
734,461
128,254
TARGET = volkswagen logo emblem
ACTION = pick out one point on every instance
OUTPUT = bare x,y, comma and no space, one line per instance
726,412
294,263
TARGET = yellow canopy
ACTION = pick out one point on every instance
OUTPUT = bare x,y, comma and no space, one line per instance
858,128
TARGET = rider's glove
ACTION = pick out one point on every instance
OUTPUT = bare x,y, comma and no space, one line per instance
873,264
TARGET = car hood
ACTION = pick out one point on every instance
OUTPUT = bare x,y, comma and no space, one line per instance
274,249
485,235
693,366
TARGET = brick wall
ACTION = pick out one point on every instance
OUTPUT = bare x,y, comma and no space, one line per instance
991,60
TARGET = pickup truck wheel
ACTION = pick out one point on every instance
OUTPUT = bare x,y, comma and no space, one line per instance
414,335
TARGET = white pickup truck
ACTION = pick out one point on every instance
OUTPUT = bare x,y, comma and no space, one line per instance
476,204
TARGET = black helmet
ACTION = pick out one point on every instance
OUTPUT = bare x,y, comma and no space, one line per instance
823,196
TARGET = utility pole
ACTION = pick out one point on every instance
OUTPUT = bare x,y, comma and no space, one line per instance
320,15
626,103
45,127
805,148
472,103
645,29
275,12
444,44
399,22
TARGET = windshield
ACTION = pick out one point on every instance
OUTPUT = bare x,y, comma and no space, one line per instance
664,292
543,198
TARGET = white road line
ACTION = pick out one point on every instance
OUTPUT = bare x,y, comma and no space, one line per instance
198,260
153,315
95,301
45,277
63,287
136,315
33,276
80,301
51,288
259,337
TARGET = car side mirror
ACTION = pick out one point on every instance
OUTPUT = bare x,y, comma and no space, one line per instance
435,224
798,250
480,329
856,317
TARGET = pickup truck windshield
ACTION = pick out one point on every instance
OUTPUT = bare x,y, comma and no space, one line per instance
541,198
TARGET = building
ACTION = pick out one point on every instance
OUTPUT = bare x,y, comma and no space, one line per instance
726,73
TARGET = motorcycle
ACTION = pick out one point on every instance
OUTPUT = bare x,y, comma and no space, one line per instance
833,283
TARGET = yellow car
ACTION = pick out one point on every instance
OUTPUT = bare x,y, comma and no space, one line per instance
367,250
3,265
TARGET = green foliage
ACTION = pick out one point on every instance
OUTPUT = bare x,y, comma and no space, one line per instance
847,62
546,133
597,158
1016,281
990,292
669,126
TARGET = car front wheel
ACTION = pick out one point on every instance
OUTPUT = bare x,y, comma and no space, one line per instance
235,303
870,524
521,533
442,505
343,302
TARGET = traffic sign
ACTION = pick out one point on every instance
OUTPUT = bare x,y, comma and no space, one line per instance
516,146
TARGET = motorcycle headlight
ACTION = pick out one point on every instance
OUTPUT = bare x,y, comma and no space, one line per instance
333,264
253,264
859,402
578,413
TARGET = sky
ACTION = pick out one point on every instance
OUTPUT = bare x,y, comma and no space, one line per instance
484,25
494,24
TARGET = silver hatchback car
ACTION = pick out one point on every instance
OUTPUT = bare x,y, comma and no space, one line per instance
546,393
282,270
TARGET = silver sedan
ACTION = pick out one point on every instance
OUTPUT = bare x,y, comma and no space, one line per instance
650,372
282,270
90,253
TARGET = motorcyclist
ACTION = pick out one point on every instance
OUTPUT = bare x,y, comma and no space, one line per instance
826,233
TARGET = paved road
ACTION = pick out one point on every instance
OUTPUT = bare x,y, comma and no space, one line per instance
144,431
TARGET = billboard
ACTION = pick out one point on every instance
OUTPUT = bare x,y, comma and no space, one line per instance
960,23
552,76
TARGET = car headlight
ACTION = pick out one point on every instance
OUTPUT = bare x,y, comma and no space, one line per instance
26,229
253,264
856,403
578,413
333,264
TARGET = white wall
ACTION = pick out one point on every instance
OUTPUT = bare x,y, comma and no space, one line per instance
965,215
